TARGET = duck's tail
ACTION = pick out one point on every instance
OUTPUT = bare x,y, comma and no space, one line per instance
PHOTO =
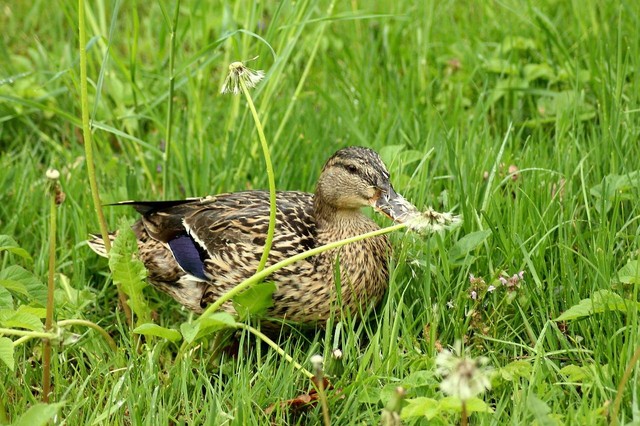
97,243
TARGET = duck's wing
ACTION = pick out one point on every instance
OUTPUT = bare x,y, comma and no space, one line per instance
228,231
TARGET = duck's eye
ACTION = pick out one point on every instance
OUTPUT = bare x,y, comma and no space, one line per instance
351,168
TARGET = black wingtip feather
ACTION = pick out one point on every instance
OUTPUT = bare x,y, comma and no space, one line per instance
144,207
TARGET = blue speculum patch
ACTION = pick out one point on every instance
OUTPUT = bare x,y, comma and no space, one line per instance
189,255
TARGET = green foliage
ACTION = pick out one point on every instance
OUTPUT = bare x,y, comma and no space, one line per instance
255,300
6,352
150,329
601,301
38,415
129,271
205,325
8,244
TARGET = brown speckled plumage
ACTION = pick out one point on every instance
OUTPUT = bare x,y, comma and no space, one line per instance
229,232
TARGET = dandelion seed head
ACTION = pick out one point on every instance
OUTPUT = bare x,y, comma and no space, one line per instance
239,73
463,377
337,353
317,361
430,220
53,174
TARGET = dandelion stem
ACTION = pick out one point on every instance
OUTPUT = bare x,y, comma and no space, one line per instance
623,383
32,334
48,323
270,176
465,416
168,133
88,147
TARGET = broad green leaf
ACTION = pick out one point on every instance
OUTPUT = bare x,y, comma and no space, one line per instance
151,329
6,352
419,378
630,273
466,244
129,272
38,415
38,312
369,395
574,373
601,301
17,319
14,286
515,370
9,244
255,300
6,300
615,187
36,289
420,407
206,325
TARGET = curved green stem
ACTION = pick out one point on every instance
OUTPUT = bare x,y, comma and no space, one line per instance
88,147
48,323
623,382
29,333
275,347
270,176
256,278
94,326
173,25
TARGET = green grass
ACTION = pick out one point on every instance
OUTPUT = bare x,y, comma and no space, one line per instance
445,90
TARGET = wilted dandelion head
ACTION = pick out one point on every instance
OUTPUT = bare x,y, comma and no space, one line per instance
463,377
239,73
430,220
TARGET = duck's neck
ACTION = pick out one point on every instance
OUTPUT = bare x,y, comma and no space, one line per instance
343,222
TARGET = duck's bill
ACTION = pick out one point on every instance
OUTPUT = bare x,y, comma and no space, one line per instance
394,206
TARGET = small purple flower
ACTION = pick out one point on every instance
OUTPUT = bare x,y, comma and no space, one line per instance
503,280
471,277
521,275
474,295
491,288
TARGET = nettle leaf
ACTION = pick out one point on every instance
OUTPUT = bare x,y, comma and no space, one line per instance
9,244
129,272
38,415
24,282
6,352
255,300
20,319
6,300
468,243
515,370
601,301
151,329
420,407
630,273
206,324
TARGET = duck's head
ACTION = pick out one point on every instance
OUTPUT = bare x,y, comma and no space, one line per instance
356,177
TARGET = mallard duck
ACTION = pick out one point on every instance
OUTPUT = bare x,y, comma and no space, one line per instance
197,249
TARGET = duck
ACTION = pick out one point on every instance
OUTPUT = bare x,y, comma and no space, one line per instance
197,249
